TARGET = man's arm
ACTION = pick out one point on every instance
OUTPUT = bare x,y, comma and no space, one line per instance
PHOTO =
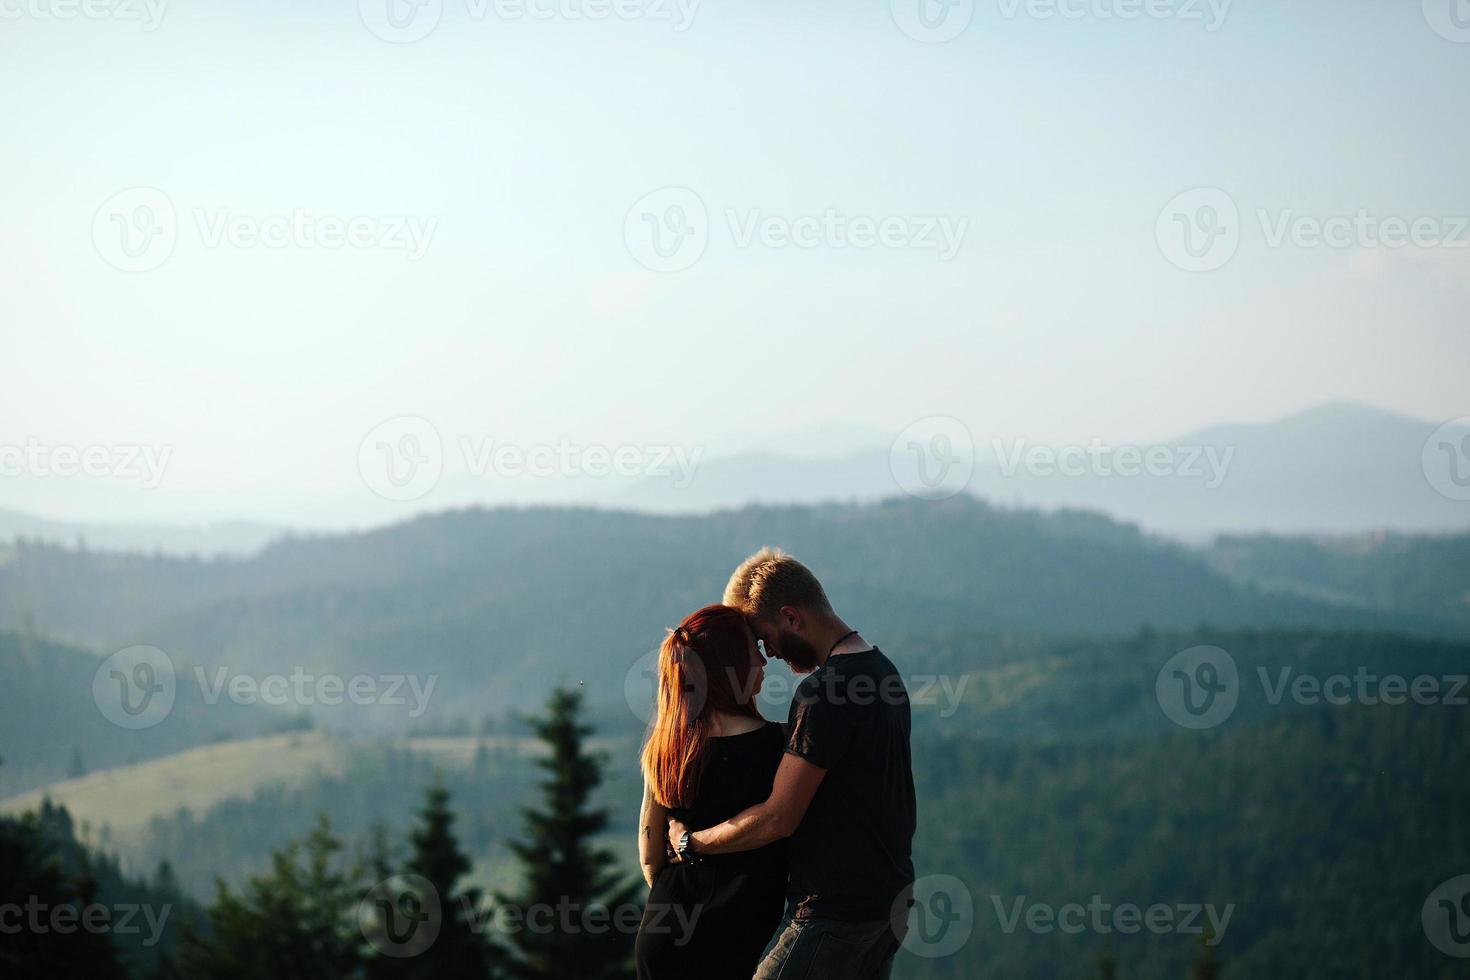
765,823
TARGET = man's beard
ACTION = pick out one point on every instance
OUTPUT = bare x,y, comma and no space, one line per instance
797,652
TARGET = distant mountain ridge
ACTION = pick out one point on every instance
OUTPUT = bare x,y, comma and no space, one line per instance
206,541
1339,468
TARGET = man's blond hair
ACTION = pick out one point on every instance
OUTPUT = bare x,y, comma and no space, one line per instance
770,579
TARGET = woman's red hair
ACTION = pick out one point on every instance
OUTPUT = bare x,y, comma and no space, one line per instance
704,666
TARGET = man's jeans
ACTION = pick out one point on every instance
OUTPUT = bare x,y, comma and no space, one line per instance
824,948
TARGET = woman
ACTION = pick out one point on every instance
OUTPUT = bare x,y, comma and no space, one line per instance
709,755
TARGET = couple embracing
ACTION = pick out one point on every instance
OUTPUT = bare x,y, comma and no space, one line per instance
749,826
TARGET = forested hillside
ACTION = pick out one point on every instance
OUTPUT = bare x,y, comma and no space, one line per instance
1322,827
497,600
1421,575
51,728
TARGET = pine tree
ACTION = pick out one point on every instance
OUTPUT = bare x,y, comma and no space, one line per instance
32,881
294,923
165,880
570,904
459,949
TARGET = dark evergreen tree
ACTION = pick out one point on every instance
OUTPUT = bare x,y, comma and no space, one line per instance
298,922
164,878
572,892
50,941
460,949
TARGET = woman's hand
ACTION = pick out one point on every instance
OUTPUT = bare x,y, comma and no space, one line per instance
676,833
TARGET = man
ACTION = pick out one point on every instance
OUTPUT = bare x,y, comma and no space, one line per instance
844,791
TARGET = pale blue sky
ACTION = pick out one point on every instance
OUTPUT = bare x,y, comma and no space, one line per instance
529,319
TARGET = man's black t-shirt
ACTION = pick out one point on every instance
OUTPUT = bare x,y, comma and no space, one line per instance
851,857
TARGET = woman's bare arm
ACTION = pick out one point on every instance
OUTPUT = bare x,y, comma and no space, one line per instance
653,829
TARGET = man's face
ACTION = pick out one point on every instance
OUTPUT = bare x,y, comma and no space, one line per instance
782,641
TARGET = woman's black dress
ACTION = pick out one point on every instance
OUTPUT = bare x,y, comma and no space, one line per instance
714,919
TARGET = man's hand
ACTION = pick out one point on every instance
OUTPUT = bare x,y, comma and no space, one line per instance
676,832
765,823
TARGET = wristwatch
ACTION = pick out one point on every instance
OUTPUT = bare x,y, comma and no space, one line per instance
686,849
